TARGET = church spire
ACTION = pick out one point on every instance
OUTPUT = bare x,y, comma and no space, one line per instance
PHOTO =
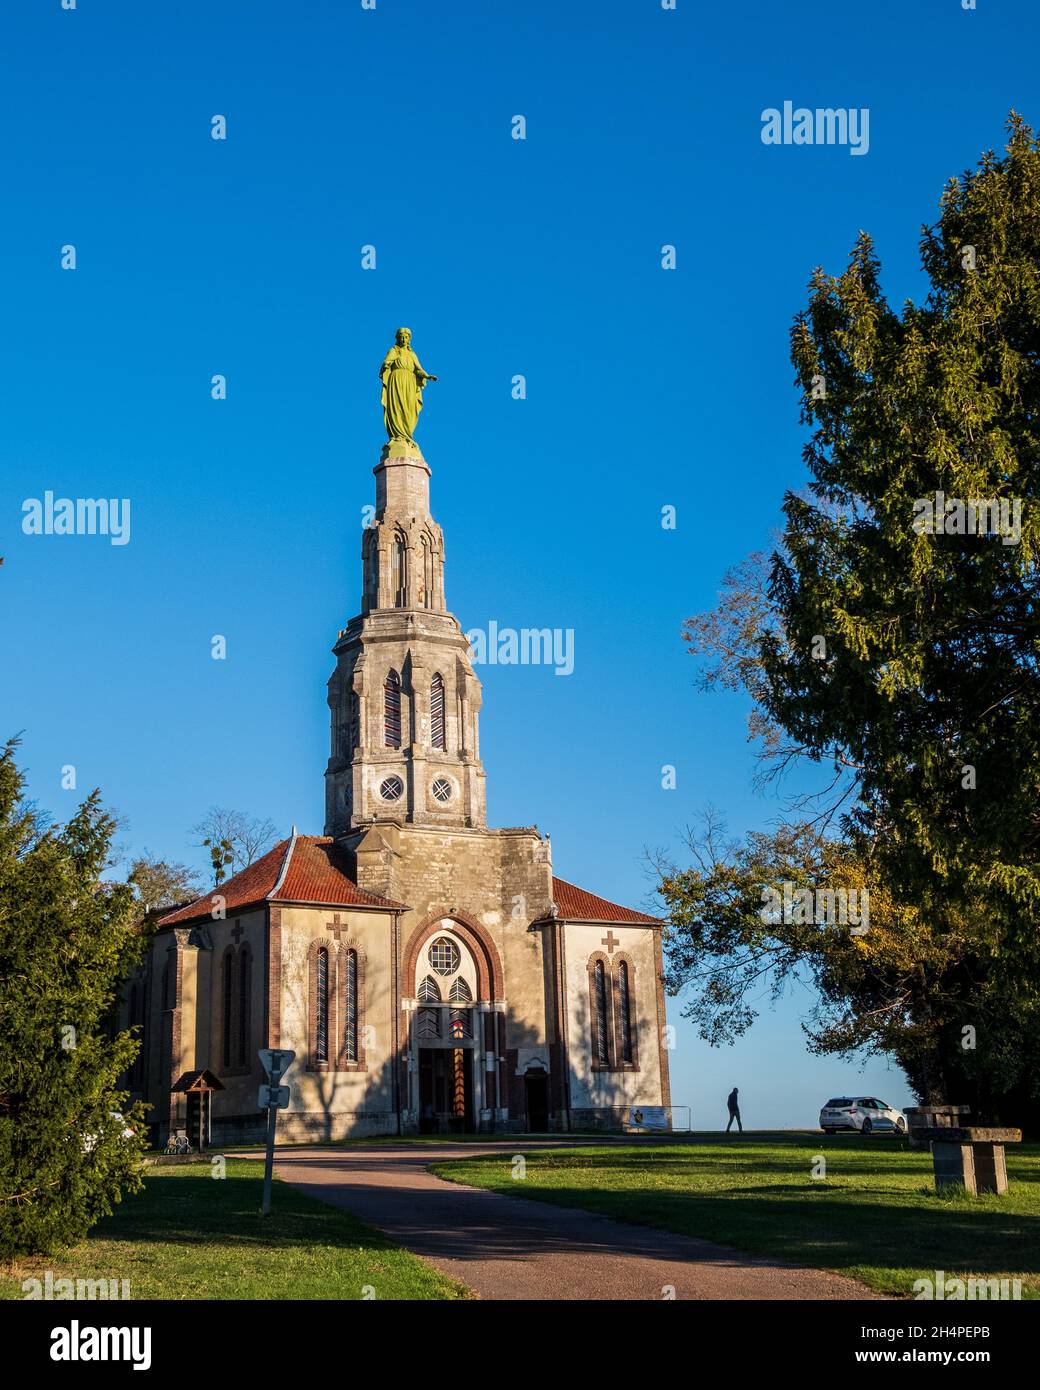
404,698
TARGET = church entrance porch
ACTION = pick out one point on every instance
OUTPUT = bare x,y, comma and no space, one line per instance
445,1090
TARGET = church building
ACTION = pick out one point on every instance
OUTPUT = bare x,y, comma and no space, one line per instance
431,974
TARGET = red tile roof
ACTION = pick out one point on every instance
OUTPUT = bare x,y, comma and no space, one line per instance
304,869
309,869
575,905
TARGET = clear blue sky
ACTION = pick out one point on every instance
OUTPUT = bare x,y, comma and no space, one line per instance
645,388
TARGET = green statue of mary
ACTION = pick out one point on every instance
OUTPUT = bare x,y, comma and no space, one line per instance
403,380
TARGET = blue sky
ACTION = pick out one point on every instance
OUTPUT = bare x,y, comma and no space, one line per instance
646,387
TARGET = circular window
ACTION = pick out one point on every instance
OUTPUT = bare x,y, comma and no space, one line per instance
444,956
391,788
442,789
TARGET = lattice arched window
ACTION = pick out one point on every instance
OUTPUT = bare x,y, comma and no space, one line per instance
625,1013
428,992
392,710
320,1045
245,964
227,1002
460,991
437,712
599,1010
350,1011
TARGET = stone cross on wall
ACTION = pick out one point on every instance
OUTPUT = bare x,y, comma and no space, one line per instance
336,926
236,931
610,941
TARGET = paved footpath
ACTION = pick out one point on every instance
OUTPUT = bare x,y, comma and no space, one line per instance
515,1248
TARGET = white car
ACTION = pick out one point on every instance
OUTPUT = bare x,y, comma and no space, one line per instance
865,1114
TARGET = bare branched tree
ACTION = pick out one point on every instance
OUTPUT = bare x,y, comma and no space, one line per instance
247,837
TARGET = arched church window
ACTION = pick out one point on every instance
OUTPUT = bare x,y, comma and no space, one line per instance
227,994
428,993
625,1013
400,571
600,1035
392,710
244,965
321,1013
460,990
137,1022
437,712
350,1040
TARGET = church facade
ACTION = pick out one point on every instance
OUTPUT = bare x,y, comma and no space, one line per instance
432,974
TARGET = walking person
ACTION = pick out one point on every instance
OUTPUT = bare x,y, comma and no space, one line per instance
734,1110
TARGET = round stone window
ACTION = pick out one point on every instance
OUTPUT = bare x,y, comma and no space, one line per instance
391,789
442,789
444,956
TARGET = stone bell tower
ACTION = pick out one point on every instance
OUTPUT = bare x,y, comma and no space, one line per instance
404,698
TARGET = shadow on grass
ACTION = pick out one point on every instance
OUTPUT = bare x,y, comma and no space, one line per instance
196,1209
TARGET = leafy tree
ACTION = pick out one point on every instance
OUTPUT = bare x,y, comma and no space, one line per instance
67,939
903,660
161,883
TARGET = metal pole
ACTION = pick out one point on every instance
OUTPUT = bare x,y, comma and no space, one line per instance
272,1119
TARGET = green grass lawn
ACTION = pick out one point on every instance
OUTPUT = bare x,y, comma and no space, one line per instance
876,1216
188,1235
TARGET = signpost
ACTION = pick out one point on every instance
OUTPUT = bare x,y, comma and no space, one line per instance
273,1097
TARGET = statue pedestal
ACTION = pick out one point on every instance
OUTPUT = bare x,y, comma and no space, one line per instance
402,480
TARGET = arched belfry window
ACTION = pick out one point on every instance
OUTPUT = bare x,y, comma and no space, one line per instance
426,577
400,571
353,723
437,712
392,710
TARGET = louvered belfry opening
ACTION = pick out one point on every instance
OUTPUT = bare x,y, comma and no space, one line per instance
437,712
392,710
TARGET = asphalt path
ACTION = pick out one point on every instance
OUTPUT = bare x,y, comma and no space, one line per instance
514,1248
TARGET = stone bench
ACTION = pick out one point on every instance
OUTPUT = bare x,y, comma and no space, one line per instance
921,1117
970,1156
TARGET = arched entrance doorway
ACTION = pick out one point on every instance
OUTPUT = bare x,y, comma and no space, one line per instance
446,1035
